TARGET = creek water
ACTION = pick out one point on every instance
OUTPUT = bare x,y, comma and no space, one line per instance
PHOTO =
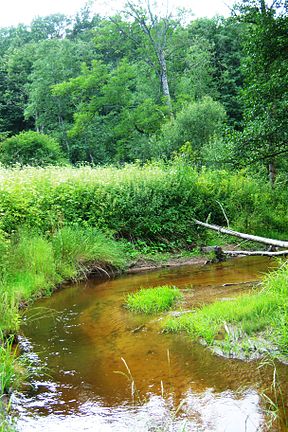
79,347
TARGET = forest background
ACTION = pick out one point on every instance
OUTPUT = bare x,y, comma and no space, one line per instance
145,85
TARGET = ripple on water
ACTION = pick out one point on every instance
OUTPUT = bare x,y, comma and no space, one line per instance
180,386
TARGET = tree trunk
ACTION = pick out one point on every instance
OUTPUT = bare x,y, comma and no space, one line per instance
164,81
264,240
272,173
255,253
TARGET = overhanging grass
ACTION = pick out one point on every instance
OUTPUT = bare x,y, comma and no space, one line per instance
151,300
261,311
34,265
11,371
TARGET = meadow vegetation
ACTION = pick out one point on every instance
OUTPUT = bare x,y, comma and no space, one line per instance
154,203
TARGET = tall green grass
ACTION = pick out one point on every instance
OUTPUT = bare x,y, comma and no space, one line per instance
11,372
33,265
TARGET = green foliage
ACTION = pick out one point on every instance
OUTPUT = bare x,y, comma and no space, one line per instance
155,203
195,80
55,61
30,148
264,66
197,123
152,300
111,121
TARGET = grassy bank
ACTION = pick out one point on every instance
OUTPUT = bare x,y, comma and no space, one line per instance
250,325
33,265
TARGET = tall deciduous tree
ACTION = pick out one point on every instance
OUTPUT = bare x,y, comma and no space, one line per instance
150,33
265,93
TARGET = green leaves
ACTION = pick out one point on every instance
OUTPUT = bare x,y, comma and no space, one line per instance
30,148
265,94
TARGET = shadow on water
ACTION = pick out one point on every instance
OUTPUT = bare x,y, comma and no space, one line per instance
175,385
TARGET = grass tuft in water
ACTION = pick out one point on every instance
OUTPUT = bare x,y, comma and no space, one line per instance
151,300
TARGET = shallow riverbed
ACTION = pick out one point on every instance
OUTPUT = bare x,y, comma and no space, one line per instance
79,347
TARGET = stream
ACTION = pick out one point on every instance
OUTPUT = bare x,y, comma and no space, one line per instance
81,342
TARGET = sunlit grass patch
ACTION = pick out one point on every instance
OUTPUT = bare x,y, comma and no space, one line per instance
251,312
151,300
248,315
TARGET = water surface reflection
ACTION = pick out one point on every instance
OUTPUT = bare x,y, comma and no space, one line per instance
179,385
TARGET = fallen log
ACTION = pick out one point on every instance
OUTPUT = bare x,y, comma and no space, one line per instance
264,240
255,253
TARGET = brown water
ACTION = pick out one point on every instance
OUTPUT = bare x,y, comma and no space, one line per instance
180,385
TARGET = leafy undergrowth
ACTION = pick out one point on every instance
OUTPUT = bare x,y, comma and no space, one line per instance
152,300
155,203
248,324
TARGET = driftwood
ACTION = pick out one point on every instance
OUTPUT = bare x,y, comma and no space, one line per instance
264,240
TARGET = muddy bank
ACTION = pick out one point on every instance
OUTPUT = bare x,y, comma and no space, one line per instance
142,265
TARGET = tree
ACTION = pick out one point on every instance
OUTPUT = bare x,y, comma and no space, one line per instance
56,60
265,95
222,36
150,35
49,27
195,79
15,68
110,114
191,130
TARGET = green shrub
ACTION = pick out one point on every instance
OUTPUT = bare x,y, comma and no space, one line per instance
196,124
151,300
30,148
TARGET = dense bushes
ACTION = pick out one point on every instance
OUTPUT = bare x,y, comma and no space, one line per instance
31,148
153,203
194,126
